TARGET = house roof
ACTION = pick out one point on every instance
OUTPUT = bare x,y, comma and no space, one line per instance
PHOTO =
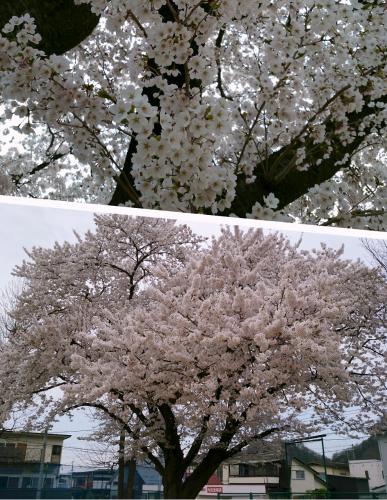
257,452
148,474
332,465
4,434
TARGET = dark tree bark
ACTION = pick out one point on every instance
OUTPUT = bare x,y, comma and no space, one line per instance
289,184
176,482
121,466
129,490
62,24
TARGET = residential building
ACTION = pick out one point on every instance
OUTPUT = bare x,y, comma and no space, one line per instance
371,469
303,478
24,447
308,479
252,472
153,485
94,479
20,456
103,483
148,482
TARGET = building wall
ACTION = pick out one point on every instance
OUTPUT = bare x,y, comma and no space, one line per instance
20,454
374,468
225,473
26,476
33,446
242,490
253,480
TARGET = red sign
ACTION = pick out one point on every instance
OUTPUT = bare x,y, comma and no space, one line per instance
214,489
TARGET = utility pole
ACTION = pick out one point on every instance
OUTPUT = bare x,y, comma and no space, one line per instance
41,465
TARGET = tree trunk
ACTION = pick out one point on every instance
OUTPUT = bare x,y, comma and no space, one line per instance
62,24
191,485
129,490
121,466
172,487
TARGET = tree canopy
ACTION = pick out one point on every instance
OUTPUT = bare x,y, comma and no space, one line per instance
269,109
196,350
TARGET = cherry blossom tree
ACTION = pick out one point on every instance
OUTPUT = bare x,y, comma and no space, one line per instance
263,109
378,252
238,343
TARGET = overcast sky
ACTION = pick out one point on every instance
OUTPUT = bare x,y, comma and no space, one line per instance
27,226
39,224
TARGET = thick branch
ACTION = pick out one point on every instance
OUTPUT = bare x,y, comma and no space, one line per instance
296,183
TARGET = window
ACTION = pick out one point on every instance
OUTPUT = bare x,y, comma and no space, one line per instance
13,482
56,449
248,470
3,481
48,482
30,482
299,474
254,470
22,449
55,453
234,470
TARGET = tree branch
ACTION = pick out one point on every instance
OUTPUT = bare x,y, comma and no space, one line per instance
297,183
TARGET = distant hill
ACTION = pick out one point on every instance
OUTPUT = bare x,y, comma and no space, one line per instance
306,455
367,449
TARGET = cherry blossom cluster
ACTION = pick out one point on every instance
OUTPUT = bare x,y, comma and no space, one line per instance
207,93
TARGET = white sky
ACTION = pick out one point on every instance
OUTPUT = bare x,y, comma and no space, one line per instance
28,223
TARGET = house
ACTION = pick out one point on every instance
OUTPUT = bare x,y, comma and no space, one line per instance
303,478
371,469
308,478
152,482
27,447
103,483
93,479
20,456
148,482
246,474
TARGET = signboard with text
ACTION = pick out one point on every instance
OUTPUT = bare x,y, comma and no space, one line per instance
214,489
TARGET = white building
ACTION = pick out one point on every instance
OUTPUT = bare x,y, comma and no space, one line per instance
243,476
20,456
24,447
304,478
371,469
